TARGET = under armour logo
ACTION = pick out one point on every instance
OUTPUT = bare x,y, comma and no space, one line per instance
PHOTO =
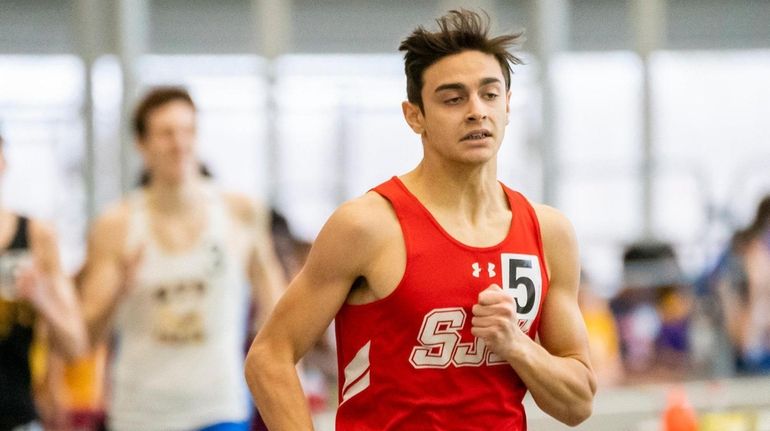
477,269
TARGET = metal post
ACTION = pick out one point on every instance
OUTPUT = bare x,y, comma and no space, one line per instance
87,38
272,21
132,29
649,21
548,37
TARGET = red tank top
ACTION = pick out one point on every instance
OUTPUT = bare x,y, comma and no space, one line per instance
408,361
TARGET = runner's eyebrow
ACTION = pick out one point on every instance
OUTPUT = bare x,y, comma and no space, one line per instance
450,86
487,81
459,86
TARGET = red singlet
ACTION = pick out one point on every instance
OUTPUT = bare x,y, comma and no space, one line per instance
408,361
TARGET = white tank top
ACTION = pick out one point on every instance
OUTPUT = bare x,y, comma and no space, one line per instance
178,362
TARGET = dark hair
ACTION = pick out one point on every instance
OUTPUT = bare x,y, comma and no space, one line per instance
153,100
760,223
459,30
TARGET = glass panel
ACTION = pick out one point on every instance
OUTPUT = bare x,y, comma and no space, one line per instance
40,99
597,129
711,113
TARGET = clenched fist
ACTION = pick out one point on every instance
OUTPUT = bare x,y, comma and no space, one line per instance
496,322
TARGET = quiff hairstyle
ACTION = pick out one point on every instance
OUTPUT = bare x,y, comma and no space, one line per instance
458,31
153,100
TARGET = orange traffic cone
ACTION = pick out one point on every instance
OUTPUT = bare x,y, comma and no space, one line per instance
679,414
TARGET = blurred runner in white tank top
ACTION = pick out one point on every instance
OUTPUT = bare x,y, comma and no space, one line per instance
166,274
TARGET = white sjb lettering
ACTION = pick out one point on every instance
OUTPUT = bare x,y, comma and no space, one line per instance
438,338
440,343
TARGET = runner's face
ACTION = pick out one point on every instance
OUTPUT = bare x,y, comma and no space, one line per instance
168,147
465,108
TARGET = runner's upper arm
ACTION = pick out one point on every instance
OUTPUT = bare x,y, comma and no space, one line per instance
338,257
562,331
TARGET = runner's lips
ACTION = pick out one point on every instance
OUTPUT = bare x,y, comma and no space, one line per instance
477,134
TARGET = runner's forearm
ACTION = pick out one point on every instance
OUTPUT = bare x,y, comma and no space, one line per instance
277,393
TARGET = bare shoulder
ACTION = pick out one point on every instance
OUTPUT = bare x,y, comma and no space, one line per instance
355,235
245,209
368,217
42,239
559,244
110,227
42,232
113,217
555,227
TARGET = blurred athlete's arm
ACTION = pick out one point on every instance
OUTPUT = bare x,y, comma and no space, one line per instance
745,314
340,254
51,293
557,371
107,272
264,269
